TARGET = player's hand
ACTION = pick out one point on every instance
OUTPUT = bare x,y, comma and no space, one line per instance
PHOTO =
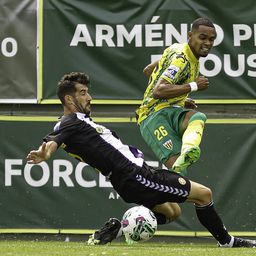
37,156
189,103
202,83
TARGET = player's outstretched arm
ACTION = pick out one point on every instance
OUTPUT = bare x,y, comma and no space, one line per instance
44,152
147,71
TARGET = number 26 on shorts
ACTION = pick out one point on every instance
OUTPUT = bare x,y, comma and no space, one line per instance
160,132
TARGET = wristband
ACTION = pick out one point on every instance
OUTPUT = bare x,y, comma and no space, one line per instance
193,86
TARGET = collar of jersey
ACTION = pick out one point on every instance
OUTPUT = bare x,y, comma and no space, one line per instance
190,53
82,115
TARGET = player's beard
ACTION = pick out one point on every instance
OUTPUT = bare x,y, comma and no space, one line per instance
79,107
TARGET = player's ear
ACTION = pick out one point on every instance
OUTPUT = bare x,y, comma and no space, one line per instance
189,35
68,99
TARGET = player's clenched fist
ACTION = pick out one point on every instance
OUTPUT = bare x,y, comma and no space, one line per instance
202,83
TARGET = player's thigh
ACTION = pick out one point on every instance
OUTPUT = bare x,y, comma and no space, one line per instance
156,187
171,210
159,133
199,194
186,118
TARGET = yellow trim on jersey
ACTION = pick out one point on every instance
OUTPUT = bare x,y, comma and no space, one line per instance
76,157
178,65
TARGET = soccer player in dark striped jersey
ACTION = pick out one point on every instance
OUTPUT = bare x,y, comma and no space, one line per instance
130,176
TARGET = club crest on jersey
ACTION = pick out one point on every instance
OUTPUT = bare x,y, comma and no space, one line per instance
182,181
99,129
168,144
171,72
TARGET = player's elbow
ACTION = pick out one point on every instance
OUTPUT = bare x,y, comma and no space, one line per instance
158,92
147,71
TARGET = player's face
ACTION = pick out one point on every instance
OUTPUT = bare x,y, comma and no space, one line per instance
201,40
82,99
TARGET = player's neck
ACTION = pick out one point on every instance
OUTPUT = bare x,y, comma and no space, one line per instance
193,51
68,111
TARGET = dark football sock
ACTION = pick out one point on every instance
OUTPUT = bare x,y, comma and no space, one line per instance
161,219
212,222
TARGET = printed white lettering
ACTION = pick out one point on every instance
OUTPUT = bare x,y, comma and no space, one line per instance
241,32
171,31
9,47
122,34
104,33
10,171
159,35
80,179
240,62
217,65
45,174
81,35
251,61
64,174
152,35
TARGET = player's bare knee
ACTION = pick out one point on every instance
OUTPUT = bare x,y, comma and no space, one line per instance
171,211
199,194
177,213
205,196
174,213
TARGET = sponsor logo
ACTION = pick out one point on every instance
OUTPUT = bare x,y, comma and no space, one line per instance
182,181
56,173
168,144
171,72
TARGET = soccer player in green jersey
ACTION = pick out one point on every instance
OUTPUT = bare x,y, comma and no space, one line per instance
167,118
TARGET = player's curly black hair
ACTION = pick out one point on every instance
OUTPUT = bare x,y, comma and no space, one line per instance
67,83
202,22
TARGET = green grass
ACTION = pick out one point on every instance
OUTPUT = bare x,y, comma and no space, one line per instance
53,248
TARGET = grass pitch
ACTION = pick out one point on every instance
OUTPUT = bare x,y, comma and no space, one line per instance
57,248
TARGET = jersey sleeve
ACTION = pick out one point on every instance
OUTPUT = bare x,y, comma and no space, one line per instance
174,70
58,137
63,131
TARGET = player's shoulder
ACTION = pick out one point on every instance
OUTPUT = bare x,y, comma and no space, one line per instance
181,52
177,47
68,120
177,54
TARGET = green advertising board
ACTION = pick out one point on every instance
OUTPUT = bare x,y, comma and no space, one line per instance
65,194
114,40
18,49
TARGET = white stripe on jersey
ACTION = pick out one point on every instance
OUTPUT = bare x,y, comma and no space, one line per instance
107,136
57,126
